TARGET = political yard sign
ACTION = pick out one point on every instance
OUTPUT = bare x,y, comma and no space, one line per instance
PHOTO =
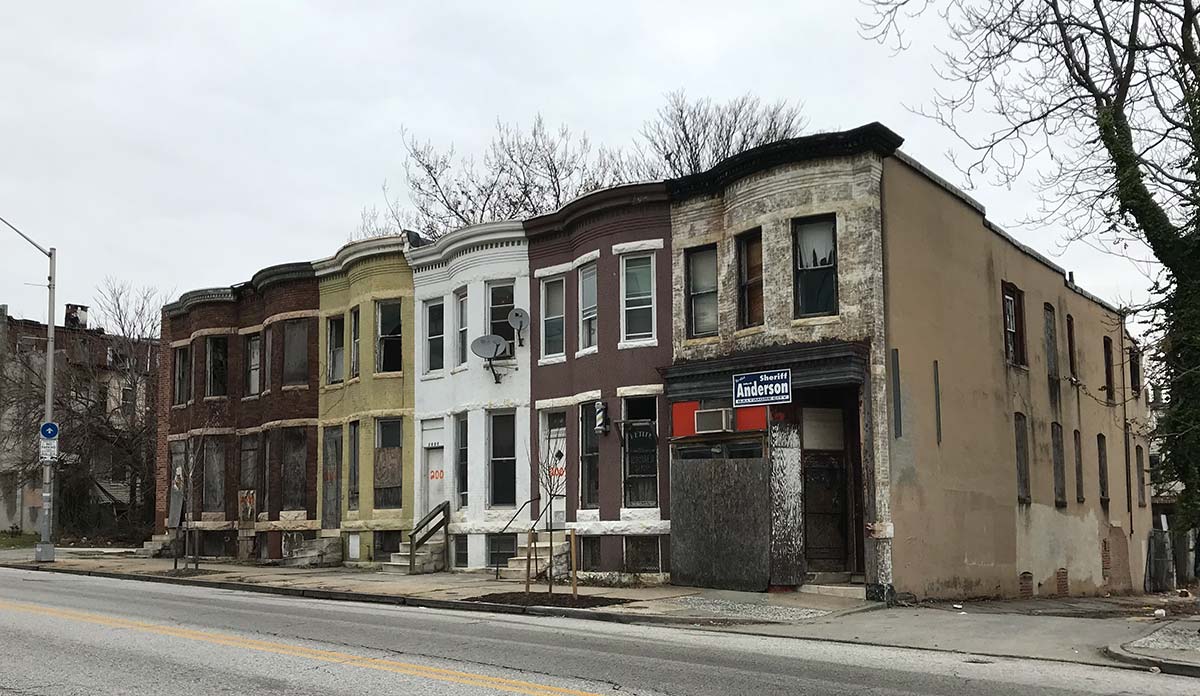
761,388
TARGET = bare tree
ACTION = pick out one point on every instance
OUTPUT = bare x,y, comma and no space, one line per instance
1102,99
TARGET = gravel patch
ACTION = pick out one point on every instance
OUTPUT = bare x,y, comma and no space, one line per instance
1180,635
763,612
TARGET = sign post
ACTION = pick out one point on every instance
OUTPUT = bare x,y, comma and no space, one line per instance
48,453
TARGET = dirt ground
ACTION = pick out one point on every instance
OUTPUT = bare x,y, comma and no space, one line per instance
544,599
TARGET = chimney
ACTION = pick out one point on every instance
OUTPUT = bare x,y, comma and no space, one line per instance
1071,277
76,317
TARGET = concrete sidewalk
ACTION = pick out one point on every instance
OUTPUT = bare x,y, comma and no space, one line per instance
1101,631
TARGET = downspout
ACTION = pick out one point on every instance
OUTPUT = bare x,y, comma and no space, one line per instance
1125,428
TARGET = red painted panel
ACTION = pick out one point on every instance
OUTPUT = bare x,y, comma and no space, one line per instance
683,418
750,418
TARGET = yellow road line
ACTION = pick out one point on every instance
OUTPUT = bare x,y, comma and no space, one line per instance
435,673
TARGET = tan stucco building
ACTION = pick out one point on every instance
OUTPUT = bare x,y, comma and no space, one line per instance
948,390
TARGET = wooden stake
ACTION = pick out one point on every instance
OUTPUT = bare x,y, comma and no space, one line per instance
574,568
528,550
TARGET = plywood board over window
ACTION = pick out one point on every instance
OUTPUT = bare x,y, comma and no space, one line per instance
389,463
295,351
214,475
295,468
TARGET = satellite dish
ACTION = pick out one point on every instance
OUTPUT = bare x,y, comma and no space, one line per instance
490,347
518,319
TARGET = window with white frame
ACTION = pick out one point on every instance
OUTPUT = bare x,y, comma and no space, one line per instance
461,451
389,351
553,337
336,341
435,335
500,303
637,297
587,307
502,460
639,447
460,324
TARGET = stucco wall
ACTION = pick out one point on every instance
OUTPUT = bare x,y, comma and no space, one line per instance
944,270
361,274
470,259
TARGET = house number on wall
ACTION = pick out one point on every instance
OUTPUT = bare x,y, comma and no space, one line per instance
437,474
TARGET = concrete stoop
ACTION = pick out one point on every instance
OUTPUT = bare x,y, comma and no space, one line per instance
430,558
546,545
159,545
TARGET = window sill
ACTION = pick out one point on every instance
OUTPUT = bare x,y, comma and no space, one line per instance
264,392
750,331
216,398
353,380
1017,366
390,375
294,387
431,376
552,360
592,350
638,343
459,368
178,407
817,321
701,340
252,397
333,387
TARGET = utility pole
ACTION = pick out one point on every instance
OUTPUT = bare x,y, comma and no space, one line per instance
45,549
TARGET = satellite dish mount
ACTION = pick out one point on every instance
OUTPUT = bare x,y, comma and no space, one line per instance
490,347
519,320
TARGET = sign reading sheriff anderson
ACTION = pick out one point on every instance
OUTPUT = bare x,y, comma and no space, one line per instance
760,388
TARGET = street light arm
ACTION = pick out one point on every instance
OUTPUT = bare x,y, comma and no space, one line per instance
23,236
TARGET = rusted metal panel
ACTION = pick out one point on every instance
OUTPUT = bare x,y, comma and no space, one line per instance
719,527
787,505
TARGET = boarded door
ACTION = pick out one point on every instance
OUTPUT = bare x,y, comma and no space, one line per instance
331,479
825,510
435,478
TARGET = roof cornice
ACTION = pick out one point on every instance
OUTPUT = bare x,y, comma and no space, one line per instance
452,243
359,250
605,199
873,137
271,275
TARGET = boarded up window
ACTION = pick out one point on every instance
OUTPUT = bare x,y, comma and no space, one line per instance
589,553
352,463
1022,441
295,469
1141,475
641,554
1102,460
1109,394
641,452
295,351
503,460
250,476
1052,374
1079,497
217,352
214,475
1071,347
1060,470
389,463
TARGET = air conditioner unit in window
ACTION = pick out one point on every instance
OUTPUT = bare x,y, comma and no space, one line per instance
714,420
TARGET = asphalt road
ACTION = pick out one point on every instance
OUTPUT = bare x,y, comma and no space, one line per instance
65,634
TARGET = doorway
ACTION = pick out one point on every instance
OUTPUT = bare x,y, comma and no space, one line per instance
435,478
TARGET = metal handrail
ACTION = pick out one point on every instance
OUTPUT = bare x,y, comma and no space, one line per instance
524,505
442,512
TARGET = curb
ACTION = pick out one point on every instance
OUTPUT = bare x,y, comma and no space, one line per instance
402,600
1117,651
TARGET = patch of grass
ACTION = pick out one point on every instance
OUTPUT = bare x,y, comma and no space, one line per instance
18,541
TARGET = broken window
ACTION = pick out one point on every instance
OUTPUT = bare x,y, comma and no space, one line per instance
589,458
336,359
389,350
637,297
435,336
1059,462
501,547
295,468
1022,441
701,267
183,375
553,338
640,449
814,244
214,475
642,554
1140,457
588,331
500,303
354,344
295,351
1014,324
253,376
352,464
1109,393
461,482
750,279
389,463
503,461
217,358
1102,460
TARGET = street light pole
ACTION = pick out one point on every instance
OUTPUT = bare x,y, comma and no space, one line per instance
45,549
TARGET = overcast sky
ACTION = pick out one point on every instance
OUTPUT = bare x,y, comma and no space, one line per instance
186,145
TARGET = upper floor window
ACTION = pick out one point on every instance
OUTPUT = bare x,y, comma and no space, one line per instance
460,324
750,279
1109,394
217,356
500,303
1135,372
354,344
435,336
389,350
183,375
814,244
253,365
701,288
1050,324
1102,464
1021,433
1140,456
267,331
587,307
637,297
1071,365
553,338
337,350
1014,324
295,351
